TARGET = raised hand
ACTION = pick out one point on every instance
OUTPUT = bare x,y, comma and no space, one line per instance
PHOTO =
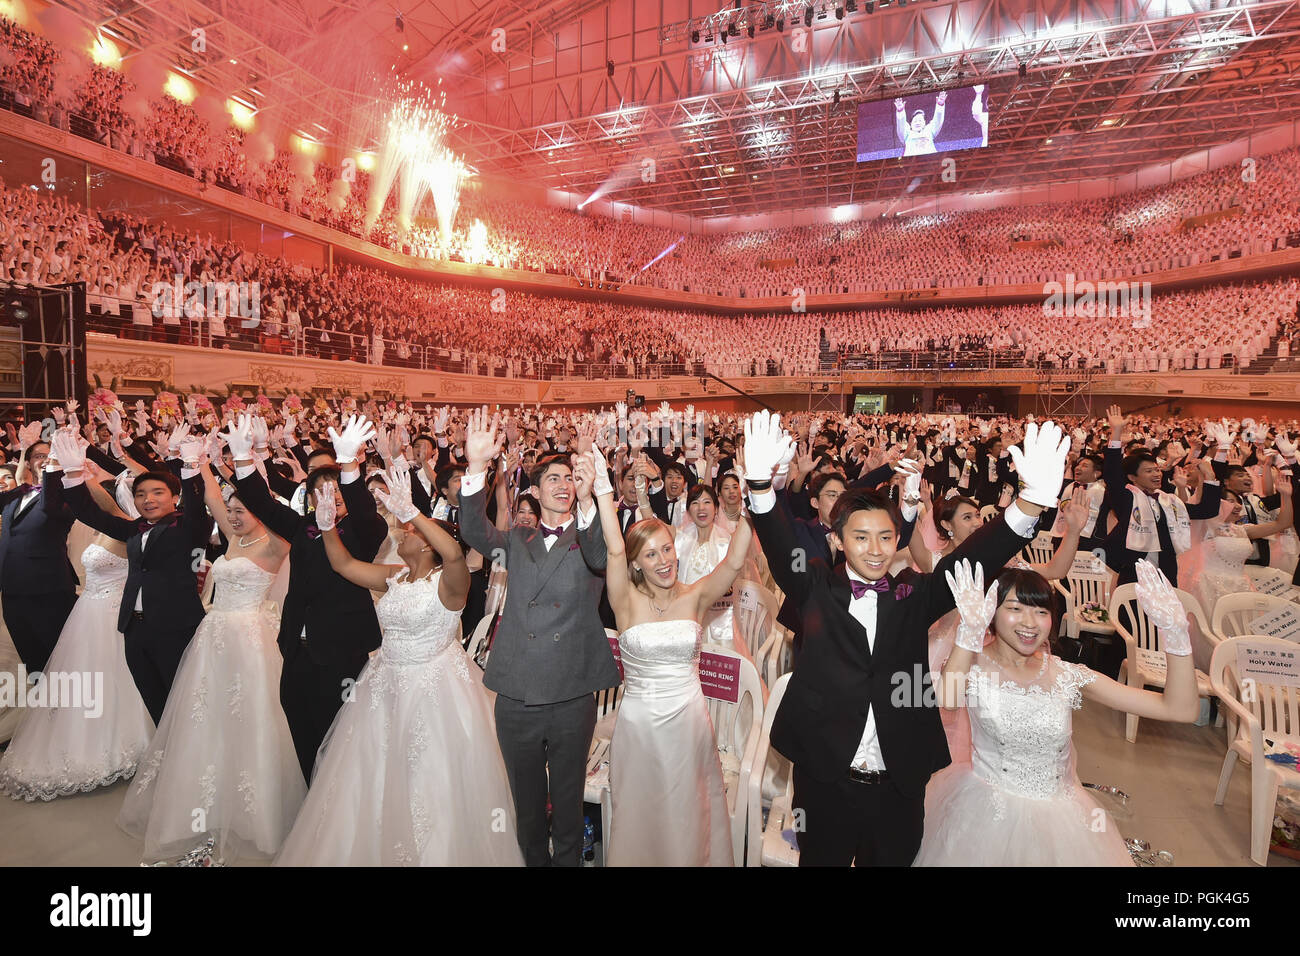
765,445
584,479
67,449
190,450
1159,601
178,436
357,430
1041,465
975,605
1077,511
239,438
482,443
1285,446
398,497
29,435
1116,419
600,469
326,509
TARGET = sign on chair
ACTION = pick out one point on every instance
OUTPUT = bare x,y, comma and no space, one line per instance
1283,624
720,676
1269,665
618,657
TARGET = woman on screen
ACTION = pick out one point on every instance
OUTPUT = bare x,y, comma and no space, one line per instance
980,111
918,137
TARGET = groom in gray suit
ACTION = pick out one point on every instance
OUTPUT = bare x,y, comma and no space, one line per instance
550,654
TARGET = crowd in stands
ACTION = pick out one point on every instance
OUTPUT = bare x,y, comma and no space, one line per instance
364,314
1214,215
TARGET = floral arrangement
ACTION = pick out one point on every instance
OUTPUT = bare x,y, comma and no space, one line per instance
1094,613
232,405
292,406
103,398
167,409
264,406
204,409
322,407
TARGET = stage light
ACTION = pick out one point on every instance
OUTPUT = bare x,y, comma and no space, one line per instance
807,16
733,29
723,36
839,13
400,23
851,6
1024,70
769,21
609,67
836,99
780,24
695,36
871,6
750,31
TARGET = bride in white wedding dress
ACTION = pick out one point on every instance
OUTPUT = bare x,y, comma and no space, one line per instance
410,773
1020,802
76,748
221,766
669,807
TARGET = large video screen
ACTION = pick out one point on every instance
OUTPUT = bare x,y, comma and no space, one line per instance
924,123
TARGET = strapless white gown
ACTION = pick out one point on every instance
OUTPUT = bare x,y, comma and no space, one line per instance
222,764
99,737
410,773
1019,802
668,803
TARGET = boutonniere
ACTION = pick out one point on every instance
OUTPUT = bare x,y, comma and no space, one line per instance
574,546
901,591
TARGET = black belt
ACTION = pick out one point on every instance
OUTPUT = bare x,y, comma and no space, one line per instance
868,776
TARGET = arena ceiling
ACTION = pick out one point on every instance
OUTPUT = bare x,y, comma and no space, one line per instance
577,94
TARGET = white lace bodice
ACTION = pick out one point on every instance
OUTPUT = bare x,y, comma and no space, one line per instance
1021,734
1226,551
417,626
105,573
240,584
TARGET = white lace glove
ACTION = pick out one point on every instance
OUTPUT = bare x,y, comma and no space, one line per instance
398,498
1159,602
601,484
1041,465
66,447
357,430
1285,446
975,605
239,438
765,445
911,496
326,509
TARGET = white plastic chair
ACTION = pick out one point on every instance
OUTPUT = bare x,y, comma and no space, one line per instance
1234,613
736,728
766,844
776,656
753,625
1265,711
1085,587
1040,550
477,643
1144,664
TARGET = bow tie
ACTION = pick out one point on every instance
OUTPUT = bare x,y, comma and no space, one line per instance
142,525
313,532
860,588
549,531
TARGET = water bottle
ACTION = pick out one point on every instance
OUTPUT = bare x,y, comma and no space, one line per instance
588,841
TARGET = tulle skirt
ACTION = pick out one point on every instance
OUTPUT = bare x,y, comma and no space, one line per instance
410,774
222,764
969,822
96,737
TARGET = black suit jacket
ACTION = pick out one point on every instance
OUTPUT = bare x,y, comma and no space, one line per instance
1120,502
839,676
339,615
163,571
34,541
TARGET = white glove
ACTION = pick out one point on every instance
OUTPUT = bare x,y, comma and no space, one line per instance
290,436
398,498
190,451
261,434
239,439
326,509
601,484
765,445
67,449
357,430
440,420
1285,446
975,605
1159,602
178,436
1041,465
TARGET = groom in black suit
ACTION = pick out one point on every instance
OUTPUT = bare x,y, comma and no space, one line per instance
36,577
160,603
859,719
